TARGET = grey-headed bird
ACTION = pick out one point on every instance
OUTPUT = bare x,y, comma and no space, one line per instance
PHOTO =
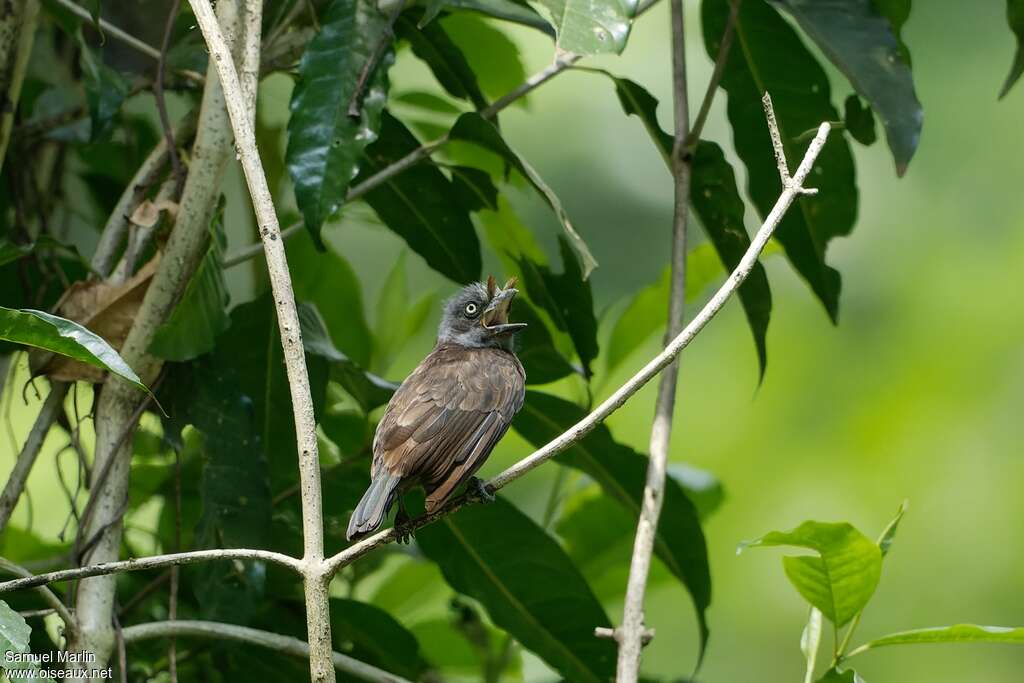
446,417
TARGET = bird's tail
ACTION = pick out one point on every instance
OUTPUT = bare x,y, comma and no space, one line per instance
374,506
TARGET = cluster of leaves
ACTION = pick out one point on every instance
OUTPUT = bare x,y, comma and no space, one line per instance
224,393
839,582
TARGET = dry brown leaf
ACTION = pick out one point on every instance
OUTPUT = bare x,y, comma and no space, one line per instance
146,214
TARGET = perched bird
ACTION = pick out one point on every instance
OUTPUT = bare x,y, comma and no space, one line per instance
446,417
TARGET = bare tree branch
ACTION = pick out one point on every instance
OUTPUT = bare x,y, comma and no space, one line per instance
161,101
634,383
693,137
27,457
316,578
17,34
153,562
251,636
48,595
630,635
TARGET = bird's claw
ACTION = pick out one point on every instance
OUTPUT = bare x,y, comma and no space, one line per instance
403,534
480,491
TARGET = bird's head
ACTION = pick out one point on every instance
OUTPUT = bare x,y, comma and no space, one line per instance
478,316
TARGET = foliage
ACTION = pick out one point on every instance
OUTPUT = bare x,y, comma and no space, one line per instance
434,169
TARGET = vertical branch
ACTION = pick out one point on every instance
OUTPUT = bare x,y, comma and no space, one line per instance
17,33
161,101
314,569
630,635
116,412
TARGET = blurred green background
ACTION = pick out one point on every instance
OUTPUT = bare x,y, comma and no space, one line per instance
917,394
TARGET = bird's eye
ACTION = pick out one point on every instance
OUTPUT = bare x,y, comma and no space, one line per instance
471,309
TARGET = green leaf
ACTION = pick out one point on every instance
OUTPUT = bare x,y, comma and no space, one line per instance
14,638
769,56
621,472
433,45
842,578
859,121
9,251
201,314
702,487
471,127
835,676
398,319
535,348
474,189
717,203
373,636
567,298
105,92
326,280
514,11
1015,18
591,26
534,592
325,144
863,45
59,335
494,56
889,535
960,633
419,206
367,389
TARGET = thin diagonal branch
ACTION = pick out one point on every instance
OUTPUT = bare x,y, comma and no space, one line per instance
693,137
634,383
251,636
161,101
153,562
630,634
48,595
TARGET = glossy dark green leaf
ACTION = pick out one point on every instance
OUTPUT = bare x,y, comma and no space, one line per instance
201,314
514,11
567,298
373,636
769,56
14,639
426,100
419,206
861,42
960,633
325,144
1015,18
105,91
9,251
59,335
703,488
719,207
535,348
717,203
591,26
471,127
326,280
859,121
433,45
621,472
527,584
841,579
474,188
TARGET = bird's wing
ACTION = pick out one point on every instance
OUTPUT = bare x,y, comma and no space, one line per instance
446,417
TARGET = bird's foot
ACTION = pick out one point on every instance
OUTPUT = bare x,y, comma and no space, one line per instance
480,491
402,531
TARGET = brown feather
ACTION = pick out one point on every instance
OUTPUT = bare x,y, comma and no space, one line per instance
445,419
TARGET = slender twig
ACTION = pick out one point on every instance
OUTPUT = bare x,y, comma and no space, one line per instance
316,578
251,636
48,595
631,632
27,457
693,137
153,562
255,249
355,103
161,101
572,435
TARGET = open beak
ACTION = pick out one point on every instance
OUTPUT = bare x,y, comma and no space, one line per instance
495,316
